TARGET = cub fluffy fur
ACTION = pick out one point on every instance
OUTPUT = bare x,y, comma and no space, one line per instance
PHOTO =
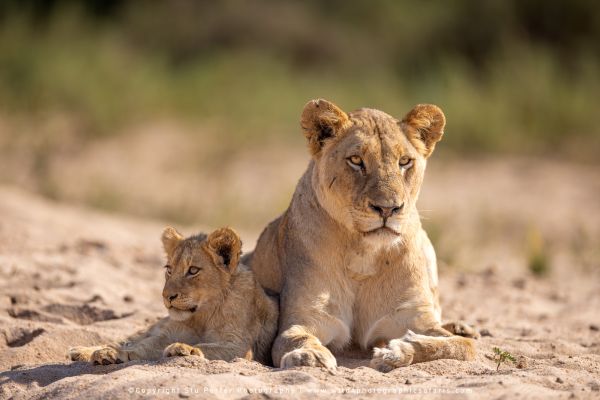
216,307
349,255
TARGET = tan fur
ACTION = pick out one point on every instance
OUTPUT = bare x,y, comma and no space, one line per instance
342,276
219,313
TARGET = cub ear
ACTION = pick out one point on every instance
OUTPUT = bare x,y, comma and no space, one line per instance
225,248
424,126
321,120
170,240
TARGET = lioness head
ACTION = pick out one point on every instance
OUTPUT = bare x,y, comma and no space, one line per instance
198,269
368,165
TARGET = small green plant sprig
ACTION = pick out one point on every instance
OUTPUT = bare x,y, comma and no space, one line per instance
501,356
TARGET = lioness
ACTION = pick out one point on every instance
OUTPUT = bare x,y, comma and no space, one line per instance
349,256
216,307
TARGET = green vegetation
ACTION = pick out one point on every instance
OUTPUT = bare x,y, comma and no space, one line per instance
512,76
501,356
146,107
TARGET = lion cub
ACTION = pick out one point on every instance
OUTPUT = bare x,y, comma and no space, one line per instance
216,307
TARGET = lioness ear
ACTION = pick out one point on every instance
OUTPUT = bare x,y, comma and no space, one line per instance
224,247
424,126
321,120
170,240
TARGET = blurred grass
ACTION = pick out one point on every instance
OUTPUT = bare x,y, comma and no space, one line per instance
538,261
520,99
513,77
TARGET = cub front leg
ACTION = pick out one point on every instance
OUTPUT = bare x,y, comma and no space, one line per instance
99,355
109,355
181,350
210,351
227,350
296,347
82,353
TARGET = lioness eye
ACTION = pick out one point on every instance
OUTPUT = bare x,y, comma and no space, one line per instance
405,162
168,269
355,162
193,270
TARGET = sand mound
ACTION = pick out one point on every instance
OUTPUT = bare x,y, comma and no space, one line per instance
76,277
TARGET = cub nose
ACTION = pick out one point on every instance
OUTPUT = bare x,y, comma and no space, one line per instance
172,297
386,211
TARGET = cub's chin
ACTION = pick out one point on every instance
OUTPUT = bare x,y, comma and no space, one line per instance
181,315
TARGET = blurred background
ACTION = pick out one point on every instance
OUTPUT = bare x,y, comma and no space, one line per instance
187,111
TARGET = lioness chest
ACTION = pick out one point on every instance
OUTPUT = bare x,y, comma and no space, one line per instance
381,294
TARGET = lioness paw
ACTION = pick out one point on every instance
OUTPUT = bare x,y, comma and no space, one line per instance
107,356
398,353
461,329
309,357
181,349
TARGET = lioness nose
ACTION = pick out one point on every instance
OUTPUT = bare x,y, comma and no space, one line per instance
386,211
172,297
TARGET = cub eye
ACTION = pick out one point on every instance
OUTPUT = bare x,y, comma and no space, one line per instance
355,162
405,162
193,271
168,269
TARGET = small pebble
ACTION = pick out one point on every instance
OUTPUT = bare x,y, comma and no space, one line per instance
408,382
485,332
519,283
94,298
594,327
522,362
558,380
127,299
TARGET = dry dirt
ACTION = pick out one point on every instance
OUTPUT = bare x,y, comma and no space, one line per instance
71,276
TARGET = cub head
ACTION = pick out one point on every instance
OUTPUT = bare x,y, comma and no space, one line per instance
369,166
198,269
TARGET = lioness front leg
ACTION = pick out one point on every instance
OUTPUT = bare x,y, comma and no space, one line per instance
462,329
296,347
413,348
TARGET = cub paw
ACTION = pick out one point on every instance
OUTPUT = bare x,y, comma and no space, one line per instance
309,357
80,353
398,353
181,349
107,356
461,329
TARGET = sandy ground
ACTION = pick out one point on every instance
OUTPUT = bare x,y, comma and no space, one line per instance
71,276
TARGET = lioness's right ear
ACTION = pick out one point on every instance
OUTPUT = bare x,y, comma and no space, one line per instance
321,120
170,240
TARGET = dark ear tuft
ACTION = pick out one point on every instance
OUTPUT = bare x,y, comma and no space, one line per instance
225,248
322,120
424,127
